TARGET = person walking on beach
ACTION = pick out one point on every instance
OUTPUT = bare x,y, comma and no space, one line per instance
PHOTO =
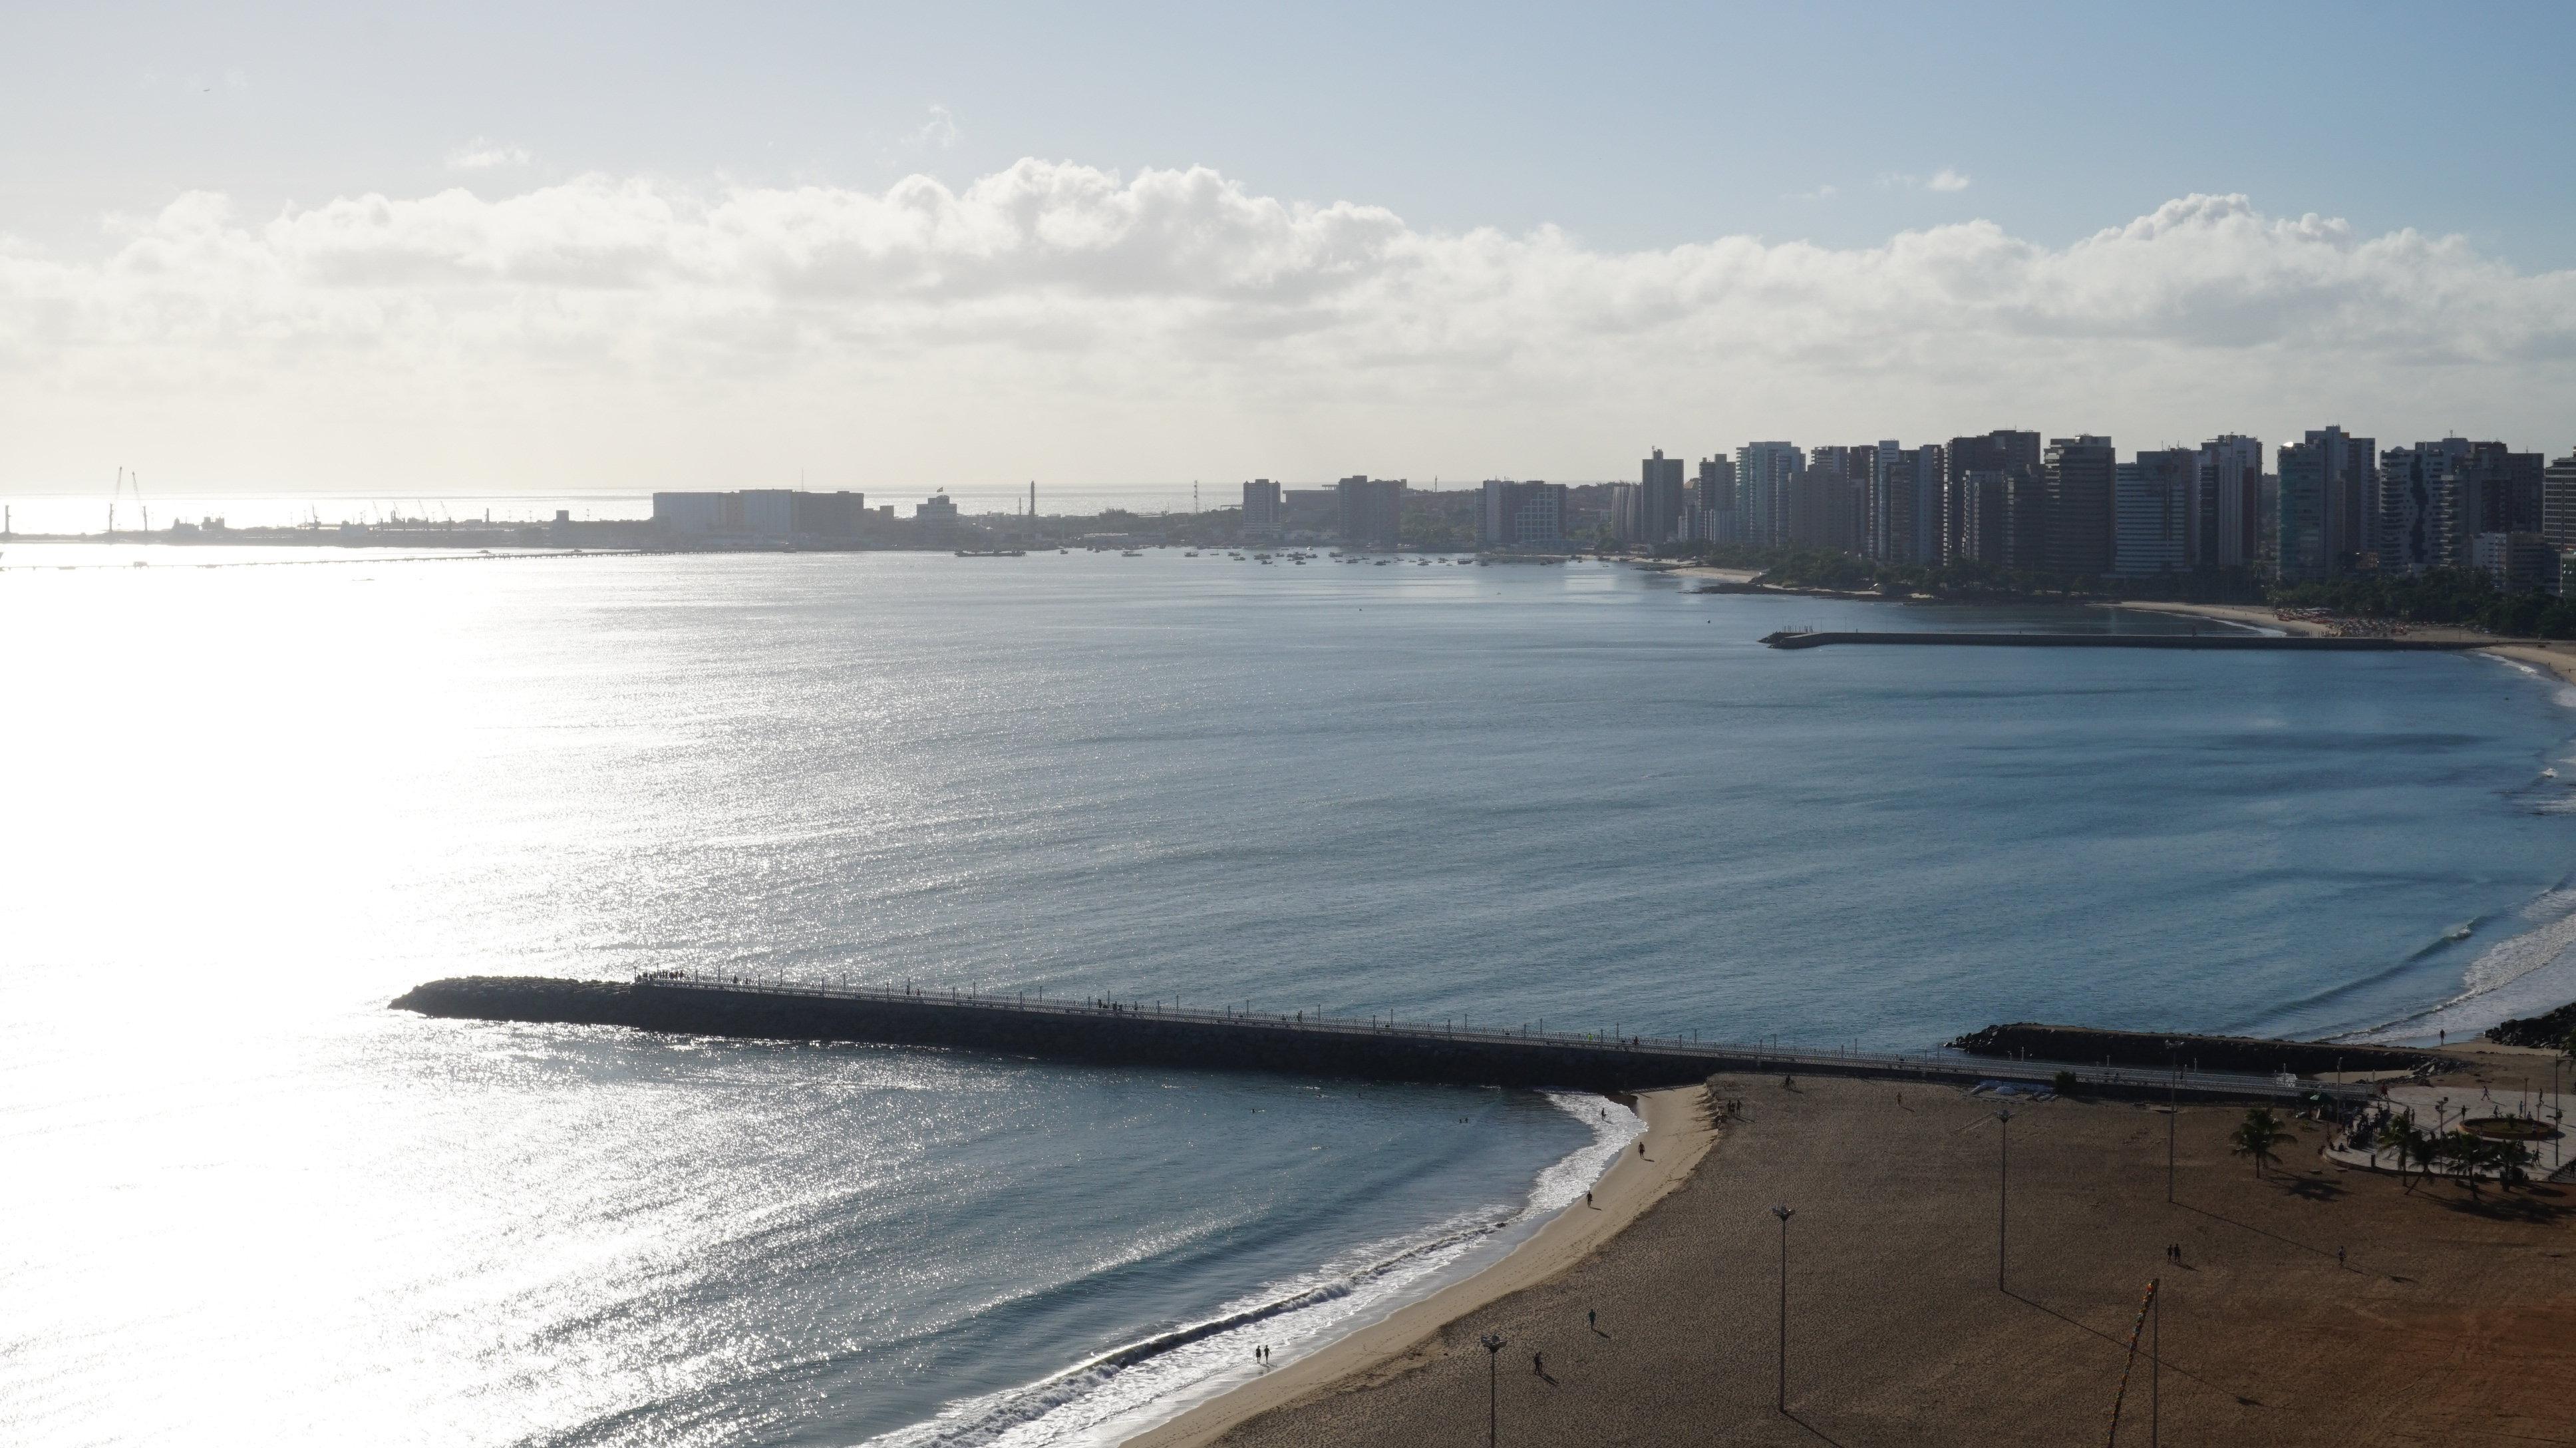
1592,1319
1538,1364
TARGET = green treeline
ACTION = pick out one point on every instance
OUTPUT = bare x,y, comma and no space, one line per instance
1970,579
2467,597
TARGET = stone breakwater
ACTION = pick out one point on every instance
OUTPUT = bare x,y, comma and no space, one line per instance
2221,642
1108,1033
1096,1033
2154,1050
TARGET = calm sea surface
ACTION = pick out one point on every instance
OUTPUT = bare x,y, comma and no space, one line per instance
248,805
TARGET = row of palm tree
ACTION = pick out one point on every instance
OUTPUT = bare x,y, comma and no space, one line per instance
2453,1153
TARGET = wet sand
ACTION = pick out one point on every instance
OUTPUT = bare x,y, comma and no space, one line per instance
2450,1319
1677,1135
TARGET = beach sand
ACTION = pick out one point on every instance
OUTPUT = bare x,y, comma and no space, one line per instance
1677,1135
2451,1320
2555,658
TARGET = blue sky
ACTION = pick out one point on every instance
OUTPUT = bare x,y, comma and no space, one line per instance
1632,126
1620,131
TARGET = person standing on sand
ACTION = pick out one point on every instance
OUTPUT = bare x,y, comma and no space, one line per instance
1538,1364
1592,1319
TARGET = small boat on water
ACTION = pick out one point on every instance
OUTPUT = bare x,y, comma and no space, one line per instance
1132,553
995,552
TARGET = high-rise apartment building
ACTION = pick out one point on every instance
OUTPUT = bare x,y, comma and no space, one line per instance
1824,507
1659,499
2307,549
1996,453
2500,490
2419,506
2081,521
2558,502
2026,519
1762,474
1262,518
1906,488
2154,502
1973,510
1371,512
2329,503
1626,527
1715,495
1521,515
2229,502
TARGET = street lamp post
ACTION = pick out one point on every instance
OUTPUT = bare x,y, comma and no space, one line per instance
1784,1213
2173,1111
2155,1362
2003,1189
1493,1344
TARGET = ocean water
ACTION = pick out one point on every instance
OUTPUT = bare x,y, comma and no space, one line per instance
247,806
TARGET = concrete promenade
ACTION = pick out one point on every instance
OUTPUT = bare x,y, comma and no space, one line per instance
1307,1044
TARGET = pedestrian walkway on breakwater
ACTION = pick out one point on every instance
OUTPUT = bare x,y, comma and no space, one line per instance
2272,643
1301,1043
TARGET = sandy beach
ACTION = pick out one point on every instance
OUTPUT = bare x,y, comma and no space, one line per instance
1678,1135
2314,1304
2556,657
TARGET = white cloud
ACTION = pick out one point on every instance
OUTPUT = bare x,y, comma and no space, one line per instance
482,155
1821,193
1060,321
1944,179
938,133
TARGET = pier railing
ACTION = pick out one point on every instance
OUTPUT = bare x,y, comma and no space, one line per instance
1679,1049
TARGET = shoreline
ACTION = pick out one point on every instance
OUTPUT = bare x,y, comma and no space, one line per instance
1678,1134
2554,658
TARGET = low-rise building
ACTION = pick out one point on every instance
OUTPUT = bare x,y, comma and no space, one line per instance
751,513
2518,562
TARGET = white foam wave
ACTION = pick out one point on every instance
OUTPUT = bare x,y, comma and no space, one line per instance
2520,975
1121,1393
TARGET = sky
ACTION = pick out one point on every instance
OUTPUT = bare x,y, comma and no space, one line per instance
482,247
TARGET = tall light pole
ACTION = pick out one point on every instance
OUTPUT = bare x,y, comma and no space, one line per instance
1784,1213
2003,1188
2173,1112
1493,1343
2155,1362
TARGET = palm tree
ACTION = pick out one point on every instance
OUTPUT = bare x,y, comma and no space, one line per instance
2397,1137
2257,1135
2425,1148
